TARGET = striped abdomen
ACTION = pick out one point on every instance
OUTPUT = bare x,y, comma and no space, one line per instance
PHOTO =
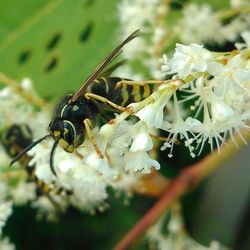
14,140
121,94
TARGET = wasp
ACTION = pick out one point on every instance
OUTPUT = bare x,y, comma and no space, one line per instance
77,113
16,138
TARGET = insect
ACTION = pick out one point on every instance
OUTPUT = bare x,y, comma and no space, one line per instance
78,112
14,139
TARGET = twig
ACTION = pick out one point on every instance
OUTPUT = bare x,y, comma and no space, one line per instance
188,179
18,88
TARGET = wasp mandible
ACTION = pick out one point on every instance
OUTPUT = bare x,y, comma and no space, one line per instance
77,113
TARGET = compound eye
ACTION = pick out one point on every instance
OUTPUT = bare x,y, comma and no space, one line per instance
55,125
69,132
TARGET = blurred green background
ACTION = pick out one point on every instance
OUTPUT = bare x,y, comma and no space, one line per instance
57,43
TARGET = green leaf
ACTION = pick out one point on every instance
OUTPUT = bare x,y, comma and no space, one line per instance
59,44
14,13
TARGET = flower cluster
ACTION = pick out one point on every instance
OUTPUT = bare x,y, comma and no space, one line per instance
218,86
16,100
83,175
149,16
215,85
5,244
172,234
15,184
205,98
161,28
213,28
5,212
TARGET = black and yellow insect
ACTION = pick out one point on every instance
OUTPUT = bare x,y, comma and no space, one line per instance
14,140
76,113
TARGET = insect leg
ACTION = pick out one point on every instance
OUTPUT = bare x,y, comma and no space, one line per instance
87,124
105,101
78,155
141,83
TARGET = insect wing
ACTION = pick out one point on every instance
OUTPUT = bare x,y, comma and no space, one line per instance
98,70
112,68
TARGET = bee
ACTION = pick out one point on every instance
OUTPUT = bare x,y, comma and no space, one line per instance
77,113
16,138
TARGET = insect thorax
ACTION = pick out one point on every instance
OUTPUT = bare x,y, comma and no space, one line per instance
76,111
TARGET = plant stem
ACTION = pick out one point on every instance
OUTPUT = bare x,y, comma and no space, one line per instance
189,178
34,99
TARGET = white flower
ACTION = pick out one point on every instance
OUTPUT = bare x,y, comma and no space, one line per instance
179,127
120,137
202,28
220,111
200,91
65,165
5,212
108,132
139,161
39,123
5,244
127,181
87,185
235,124
18,111
232,30
93,186
3,191
134,14
234,72
215,68
239,3
23,193
40,158
209,130
86,178
147,16
246,37
207,26
187,60
101,165
152,114
4,158
224,99
193,124
45,208
142,140
175,235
